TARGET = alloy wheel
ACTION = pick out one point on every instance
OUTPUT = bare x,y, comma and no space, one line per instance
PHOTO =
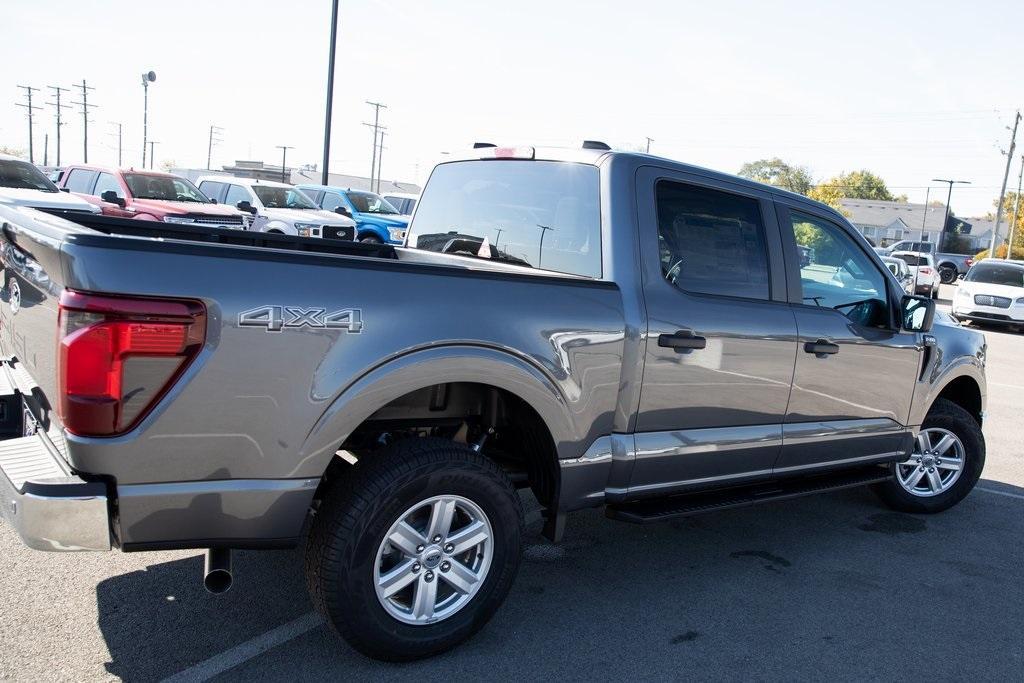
935,465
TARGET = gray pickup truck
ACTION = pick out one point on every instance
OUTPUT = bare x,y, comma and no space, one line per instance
604,329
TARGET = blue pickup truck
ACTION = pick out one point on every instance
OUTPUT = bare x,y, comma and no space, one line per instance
377,222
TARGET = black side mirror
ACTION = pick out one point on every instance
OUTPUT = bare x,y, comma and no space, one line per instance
213,201
244,205
343,211
64,189
917,313
111,197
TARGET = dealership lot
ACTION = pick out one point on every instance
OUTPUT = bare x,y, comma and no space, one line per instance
832,586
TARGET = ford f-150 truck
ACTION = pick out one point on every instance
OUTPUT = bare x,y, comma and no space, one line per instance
608,330
377,222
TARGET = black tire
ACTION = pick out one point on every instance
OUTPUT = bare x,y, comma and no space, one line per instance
370,239
357,511
947,275
934,293
949,416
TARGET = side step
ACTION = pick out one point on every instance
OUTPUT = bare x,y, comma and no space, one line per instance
662,509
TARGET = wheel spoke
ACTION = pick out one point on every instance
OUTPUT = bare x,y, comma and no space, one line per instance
471,535
460,577
950,464
913,478
405,538
944,443
441,514
934,480
924,442
426,596
397,579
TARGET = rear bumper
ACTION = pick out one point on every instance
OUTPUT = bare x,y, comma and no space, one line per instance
50,508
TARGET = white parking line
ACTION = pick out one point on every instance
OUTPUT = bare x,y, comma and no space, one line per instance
218,664
1001,384
1000,493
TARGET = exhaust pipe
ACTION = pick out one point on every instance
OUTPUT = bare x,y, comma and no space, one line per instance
217,571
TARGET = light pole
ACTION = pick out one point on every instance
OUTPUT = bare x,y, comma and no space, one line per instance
284,157
949,195
330,91
147,78
540,249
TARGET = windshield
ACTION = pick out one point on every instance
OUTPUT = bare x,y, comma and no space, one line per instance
163,187
544,214
368,202
997,274
24,176
282,197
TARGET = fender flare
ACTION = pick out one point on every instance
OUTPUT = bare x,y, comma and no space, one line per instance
424,368
280,226
965,367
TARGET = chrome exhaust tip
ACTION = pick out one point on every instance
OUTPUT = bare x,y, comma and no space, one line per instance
217,576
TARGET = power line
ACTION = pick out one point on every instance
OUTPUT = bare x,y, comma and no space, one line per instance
214,132
84,104
29,108
58,107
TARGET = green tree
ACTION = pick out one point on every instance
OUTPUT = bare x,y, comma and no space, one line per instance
829,192
778,173
863,185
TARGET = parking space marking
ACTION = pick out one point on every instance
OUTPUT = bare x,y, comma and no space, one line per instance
1002,384
229,659
1000,493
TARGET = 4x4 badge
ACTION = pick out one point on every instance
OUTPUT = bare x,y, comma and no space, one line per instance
277,318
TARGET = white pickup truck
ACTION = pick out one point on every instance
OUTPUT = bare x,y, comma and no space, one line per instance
22,184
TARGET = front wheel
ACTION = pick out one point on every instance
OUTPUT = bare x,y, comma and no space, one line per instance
414,549
370,239
946,463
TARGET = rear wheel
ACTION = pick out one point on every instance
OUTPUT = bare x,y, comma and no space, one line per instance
947,274
370,239
414,549
946,463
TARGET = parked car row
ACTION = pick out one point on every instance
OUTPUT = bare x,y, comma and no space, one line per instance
949,266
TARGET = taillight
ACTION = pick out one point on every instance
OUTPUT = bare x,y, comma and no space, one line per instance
118,355
925,270
969,262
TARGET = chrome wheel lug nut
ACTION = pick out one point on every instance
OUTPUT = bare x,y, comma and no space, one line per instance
436,539
448,547
446,565
420,548
415,567
429,576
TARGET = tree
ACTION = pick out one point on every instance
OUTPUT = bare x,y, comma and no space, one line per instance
862,185
13,151
778,173
829,192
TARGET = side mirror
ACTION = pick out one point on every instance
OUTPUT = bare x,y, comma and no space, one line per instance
343,211
111,198
244,205
213,201
64,189
917,313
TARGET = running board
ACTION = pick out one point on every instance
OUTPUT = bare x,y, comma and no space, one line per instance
662,509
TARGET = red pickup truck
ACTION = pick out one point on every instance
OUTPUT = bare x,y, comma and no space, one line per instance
149,195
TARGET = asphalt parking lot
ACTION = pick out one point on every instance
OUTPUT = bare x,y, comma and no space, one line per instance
826,587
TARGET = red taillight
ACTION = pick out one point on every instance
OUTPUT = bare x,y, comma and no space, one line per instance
118,355
969,262
507,153
925,270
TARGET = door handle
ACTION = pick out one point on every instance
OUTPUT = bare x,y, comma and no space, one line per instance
682,341
821,347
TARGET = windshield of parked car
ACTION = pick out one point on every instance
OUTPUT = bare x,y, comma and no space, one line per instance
545,214
997,274
368,202
24,176
163,187
282,197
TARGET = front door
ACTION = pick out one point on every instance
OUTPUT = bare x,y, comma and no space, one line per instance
855,370
721,337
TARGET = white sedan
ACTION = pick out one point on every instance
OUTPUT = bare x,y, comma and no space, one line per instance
992,292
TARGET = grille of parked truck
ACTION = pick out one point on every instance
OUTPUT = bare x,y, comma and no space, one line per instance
605,329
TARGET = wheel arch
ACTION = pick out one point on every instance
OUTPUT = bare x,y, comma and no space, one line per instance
964,391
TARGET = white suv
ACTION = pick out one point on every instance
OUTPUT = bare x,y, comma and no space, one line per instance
277,207
922,267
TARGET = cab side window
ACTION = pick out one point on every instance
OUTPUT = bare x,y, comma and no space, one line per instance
836,273
711,242
211,189
80,180
108,183
331,201
236,193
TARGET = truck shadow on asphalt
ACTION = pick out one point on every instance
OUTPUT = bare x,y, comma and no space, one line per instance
826,586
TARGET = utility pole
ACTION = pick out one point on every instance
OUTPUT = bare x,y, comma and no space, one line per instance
330,92
29,108
147,78
540,249
46,149
58,106
119,131
380,158
1002,192
942,232
284,157
84,104
1016,209
649,141
376,128
214,130
152,143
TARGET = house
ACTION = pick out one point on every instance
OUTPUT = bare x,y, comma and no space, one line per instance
887,222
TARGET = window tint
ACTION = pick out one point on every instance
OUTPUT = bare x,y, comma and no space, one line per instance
837,274
711,242
23,175
211,189
107,182
237,193
80,180
1007,274
331,201
544,214
914,259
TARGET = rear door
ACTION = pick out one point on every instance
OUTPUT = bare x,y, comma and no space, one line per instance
721,337
855,370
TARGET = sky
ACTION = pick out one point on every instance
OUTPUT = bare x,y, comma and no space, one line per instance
909,90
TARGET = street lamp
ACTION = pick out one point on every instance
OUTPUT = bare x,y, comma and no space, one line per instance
147,78
949,195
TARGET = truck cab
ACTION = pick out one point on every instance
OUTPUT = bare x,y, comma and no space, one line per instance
277,207
23,184
377,221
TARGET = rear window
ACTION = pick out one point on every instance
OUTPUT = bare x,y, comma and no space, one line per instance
913,260
542,214
997,274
